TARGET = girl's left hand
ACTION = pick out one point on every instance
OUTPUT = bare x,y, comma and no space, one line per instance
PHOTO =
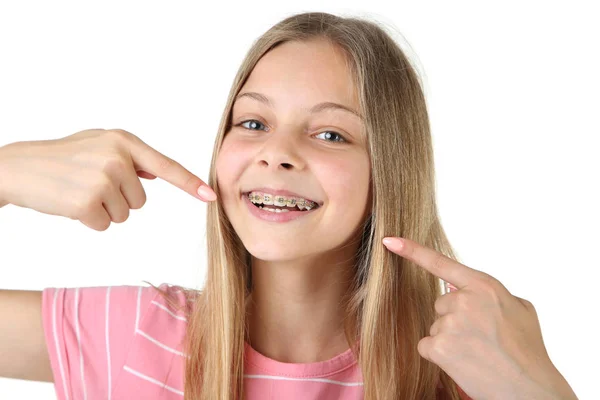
487,340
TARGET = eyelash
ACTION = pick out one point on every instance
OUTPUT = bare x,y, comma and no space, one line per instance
332,141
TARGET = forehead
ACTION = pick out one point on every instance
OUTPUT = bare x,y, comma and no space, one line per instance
304,73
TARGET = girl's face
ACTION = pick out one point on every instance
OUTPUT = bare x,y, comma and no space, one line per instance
321,155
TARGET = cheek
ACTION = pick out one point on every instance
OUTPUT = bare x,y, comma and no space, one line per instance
346,182
229,163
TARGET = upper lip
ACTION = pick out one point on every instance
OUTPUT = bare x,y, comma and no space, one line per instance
282,192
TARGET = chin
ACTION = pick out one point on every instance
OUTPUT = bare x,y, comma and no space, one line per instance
272,251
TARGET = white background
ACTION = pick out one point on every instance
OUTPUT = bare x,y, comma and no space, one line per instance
512,90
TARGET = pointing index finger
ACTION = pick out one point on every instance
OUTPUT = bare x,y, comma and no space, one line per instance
150,160
449,270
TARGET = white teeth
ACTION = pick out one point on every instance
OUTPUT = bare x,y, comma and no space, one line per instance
281,201
275,210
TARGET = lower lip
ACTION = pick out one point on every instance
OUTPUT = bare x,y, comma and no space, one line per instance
275,216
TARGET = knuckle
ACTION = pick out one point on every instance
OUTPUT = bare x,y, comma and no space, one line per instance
118,137
118,134
82,206
493,294
529,305
114,165
439,261
487,278
491,284
191,182
140,201
137,203
440,346
423,347
104,226
439,306
102,186
433,328
165,163
123,216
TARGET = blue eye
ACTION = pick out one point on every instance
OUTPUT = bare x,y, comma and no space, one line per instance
327,134
249,120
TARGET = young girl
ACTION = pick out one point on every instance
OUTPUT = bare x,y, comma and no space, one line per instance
323,150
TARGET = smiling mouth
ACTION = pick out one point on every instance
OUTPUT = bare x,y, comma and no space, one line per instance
286,196
277,207
272,206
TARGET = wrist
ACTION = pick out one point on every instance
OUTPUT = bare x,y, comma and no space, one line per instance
548,384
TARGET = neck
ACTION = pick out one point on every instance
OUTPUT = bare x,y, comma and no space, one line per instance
296,313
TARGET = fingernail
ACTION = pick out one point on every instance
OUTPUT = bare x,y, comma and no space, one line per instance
207,193
397,243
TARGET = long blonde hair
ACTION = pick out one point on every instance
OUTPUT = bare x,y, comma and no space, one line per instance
390,306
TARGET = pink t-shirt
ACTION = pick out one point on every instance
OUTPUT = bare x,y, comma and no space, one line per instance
125,342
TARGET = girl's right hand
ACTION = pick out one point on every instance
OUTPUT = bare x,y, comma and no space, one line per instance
90,176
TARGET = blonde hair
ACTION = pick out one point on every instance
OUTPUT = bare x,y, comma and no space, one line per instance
390,306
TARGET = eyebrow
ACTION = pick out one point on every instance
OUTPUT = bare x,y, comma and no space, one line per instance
327,105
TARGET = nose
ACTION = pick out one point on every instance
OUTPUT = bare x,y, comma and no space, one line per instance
280,149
